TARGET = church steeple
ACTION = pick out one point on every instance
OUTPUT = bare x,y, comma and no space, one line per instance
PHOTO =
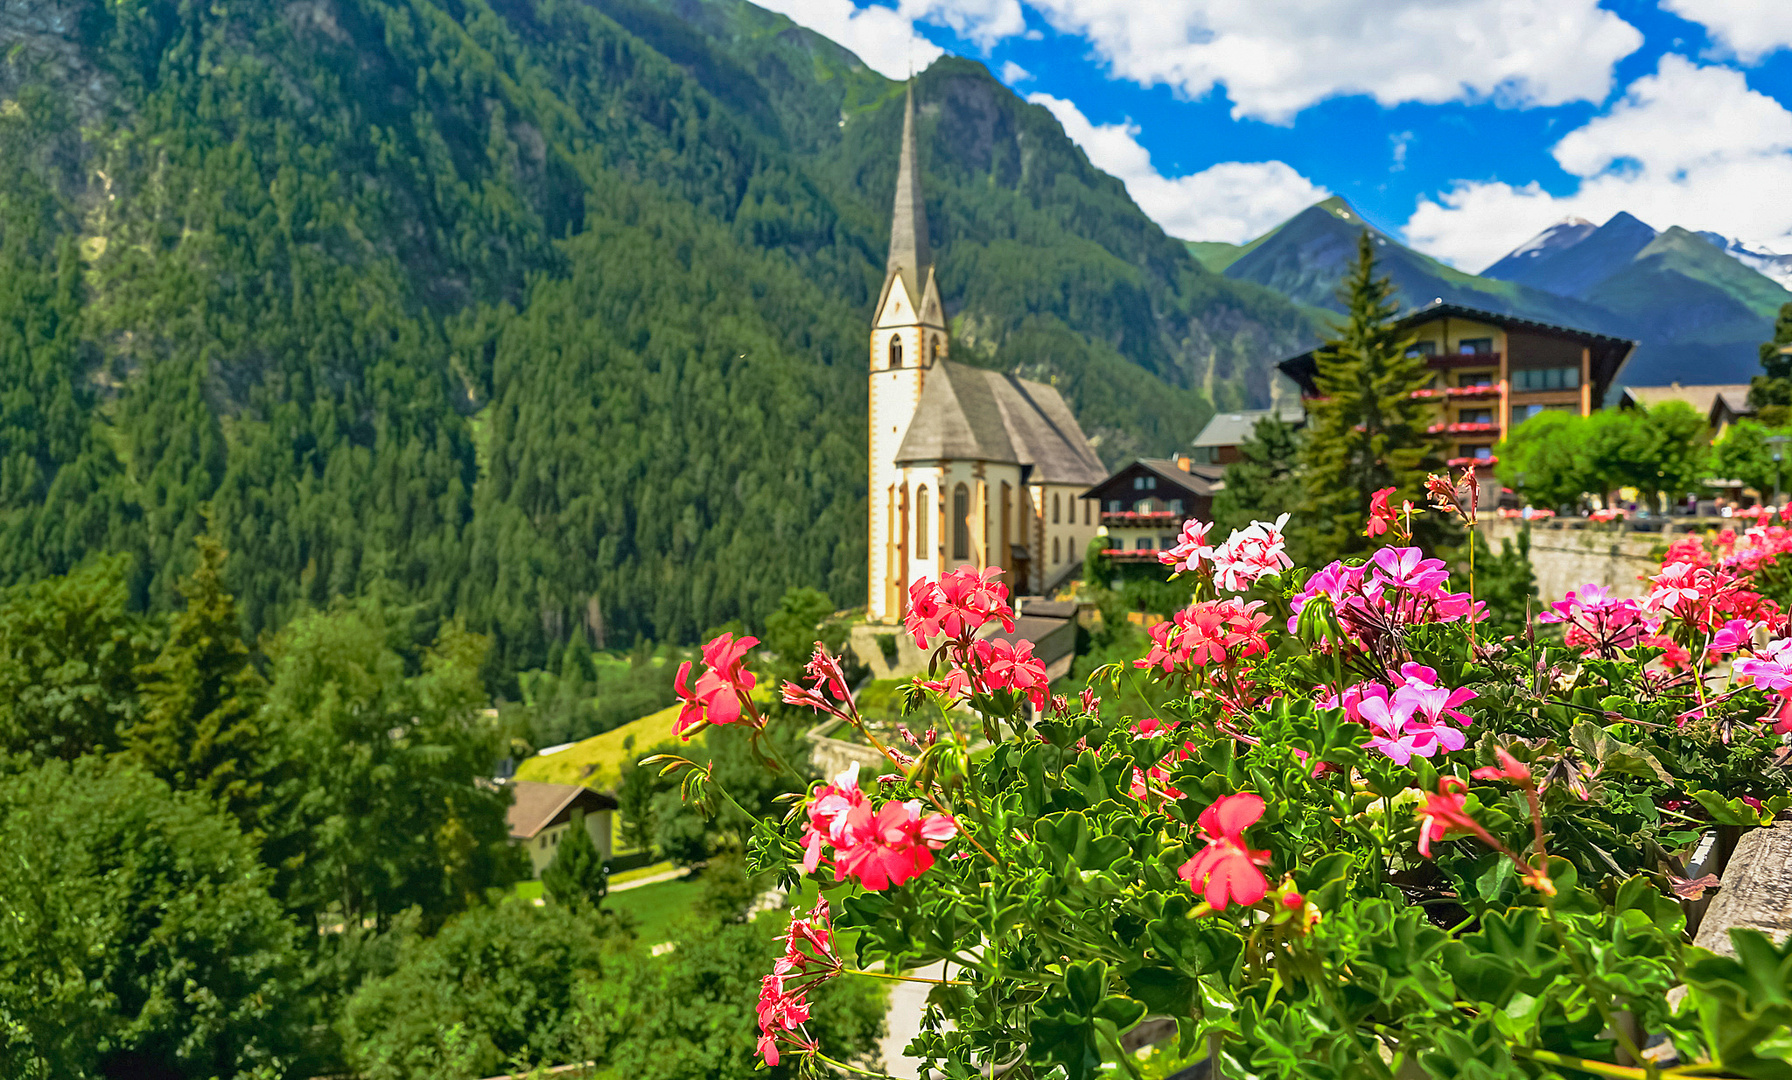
910,254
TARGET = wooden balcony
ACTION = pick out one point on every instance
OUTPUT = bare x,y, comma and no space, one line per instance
1141,520
1451,361
1127,555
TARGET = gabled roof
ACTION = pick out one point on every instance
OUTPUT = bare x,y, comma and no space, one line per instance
1607,353
1235,428
1701,398
1198,480
538,806
973,414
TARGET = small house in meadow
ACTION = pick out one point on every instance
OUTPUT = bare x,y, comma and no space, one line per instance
541,814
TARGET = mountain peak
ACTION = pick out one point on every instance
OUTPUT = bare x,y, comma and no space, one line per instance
1339,207
1624,219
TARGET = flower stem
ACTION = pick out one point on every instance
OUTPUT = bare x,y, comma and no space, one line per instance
1597,1068
852,1068
904,978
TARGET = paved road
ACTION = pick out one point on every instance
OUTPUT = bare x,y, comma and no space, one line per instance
907,1001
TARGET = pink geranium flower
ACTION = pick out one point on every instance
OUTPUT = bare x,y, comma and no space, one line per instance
1012,666
1225,871
1381,515
721,693
898,846
957,605
1190,551
1250,553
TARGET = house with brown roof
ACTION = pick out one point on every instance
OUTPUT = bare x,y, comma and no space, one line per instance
1492,372
1143,504
540,815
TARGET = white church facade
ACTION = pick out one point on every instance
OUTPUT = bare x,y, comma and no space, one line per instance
968,466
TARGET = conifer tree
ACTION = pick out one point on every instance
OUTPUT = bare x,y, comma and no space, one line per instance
200,695
1771,393
1367,432
1265,480
576,877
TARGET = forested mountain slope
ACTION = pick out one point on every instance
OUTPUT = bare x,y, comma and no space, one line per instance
545,315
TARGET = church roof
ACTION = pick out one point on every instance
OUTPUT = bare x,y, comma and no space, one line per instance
910,254
973,414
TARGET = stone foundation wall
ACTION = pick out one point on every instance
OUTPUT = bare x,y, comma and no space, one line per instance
1567,558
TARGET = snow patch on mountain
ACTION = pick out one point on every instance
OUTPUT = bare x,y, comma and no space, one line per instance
1755,257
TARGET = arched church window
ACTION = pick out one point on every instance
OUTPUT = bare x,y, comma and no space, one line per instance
1054,551
936,348
895,350
961,522
1055,511
923,510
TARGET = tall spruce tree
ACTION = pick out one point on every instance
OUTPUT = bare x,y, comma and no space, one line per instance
576,877
1771,393
200,696
1367,432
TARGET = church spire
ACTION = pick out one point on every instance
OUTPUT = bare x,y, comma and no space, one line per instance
910,254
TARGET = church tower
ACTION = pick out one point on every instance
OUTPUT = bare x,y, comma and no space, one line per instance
908,338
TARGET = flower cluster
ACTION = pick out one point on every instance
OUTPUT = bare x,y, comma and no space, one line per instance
1225,871
1382,516
957,605
1249,553
1376,601
1209,632
1598,623
1417,718
877,848
809,960
722,694
827,691
1191,551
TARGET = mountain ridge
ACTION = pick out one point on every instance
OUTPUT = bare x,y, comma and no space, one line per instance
546,317
1696,311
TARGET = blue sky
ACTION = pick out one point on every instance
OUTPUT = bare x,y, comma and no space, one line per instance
1464,126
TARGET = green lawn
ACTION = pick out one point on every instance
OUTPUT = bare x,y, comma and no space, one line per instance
655,908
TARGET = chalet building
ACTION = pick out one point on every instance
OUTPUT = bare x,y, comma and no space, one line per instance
1720,405
540,815
1143,505
1218,442
1495,371
969,467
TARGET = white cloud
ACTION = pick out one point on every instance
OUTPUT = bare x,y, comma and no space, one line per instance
1233,201
1013,73
984,22
1749,28
1277,57
1688,145
882,37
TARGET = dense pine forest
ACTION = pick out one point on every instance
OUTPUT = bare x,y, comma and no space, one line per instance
547,315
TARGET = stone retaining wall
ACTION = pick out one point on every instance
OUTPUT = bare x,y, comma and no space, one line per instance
1567,558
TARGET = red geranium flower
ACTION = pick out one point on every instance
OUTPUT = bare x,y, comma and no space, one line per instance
1226,870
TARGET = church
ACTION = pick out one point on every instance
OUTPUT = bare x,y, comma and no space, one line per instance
968,466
